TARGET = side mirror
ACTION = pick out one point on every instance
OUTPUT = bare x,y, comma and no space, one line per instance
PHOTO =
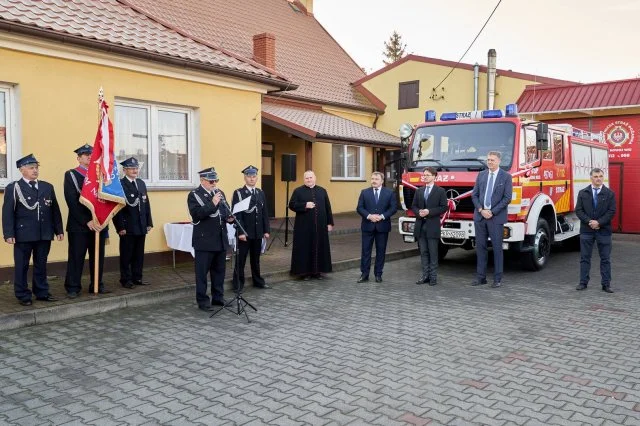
542,137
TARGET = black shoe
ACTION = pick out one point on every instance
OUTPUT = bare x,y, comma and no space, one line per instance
263,286
479,282
47,298
128,285
378,278
25,302
104,291
433,282
363,278
218,302
422,280
205,308
306,278
319,277
140,283
72,295
607,289
581,287
496,284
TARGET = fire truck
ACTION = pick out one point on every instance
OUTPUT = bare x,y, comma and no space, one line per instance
550,164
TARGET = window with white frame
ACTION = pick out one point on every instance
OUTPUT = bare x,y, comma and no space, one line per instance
347,162
8,136
160,138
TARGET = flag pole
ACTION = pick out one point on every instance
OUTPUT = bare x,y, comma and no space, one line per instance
96,253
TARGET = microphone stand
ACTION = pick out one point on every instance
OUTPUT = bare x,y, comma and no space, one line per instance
240,302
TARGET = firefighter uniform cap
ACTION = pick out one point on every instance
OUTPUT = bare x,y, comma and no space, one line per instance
29,159
130,163
84,149
209,174
250,170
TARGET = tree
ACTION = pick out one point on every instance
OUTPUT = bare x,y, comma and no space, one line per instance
394,48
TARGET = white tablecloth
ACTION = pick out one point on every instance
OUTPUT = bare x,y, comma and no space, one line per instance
178,236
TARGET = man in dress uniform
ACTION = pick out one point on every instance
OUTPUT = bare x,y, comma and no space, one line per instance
210,240
133,223
81,229
255,221
311,254
30,218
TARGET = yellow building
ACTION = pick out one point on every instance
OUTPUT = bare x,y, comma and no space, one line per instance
177,104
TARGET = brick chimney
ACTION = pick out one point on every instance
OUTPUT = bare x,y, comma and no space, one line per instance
264,49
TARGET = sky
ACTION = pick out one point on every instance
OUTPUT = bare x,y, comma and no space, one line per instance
578,40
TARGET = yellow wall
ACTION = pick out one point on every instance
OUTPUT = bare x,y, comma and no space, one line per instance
455,94
366,119
58,113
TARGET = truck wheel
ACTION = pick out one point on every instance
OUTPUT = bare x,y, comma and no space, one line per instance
442,251
537,258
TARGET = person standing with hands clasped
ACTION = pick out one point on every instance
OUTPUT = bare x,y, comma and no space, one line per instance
428,204
133,223
491,197
30,220
595,208
376,205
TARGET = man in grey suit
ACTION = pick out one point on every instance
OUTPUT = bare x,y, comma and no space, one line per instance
491,197
428,204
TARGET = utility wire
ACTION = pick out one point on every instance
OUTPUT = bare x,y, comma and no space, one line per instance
469,48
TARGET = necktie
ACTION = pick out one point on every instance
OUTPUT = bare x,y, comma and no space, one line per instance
376,194
427,192
33,185
595,197
489,193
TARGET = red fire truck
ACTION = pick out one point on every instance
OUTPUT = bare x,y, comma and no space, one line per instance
549,165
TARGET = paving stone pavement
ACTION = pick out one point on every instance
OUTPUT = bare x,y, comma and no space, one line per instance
335,352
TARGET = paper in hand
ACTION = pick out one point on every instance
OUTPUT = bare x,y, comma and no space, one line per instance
242,205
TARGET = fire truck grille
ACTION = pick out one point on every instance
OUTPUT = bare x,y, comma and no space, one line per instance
464,205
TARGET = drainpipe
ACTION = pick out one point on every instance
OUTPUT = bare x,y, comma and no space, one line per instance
476,76
491,79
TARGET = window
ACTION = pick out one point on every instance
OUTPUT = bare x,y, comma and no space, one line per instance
8,136
160,137
346,162
409,94
528,150
558,148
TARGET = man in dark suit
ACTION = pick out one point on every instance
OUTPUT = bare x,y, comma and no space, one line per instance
376,205
81,230
30,219
491,197
209,239
428,204
133,223
595,208
255,221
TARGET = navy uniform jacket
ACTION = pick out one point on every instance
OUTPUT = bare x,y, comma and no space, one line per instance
386,206
209,221
437,205
79,214
500,199
256,219
135,217
23,224
603,213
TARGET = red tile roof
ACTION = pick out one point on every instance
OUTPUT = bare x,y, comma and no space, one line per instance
109,23
305,52
580,97
313,124
445,63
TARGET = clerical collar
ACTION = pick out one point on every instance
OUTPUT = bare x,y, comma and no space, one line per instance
310,187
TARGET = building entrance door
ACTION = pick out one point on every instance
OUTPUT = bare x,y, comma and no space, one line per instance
268,176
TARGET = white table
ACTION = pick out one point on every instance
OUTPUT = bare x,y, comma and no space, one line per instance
178,236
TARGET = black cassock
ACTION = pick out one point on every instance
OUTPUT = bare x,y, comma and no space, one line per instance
311,251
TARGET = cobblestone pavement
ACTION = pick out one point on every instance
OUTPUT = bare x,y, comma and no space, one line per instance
336,352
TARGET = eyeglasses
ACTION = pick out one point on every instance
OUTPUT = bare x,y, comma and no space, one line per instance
212,181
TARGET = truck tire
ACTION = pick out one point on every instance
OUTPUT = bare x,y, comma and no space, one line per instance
537,258
442,251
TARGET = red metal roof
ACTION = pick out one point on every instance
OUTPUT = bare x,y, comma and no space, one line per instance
580,97
305,52
109,23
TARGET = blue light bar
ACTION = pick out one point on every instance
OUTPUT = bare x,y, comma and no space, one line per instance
430,115
448,116
492,113
511,110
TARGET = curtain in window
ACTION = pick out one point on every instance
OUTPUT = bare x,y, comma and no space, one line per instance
337,161
3,136
132,136
353,161
173,146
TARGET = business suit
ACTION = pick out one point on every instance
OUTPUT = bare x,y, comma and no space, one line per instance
32,216
493,228
604,212
210,243
255,221
134,219
427,229
375,231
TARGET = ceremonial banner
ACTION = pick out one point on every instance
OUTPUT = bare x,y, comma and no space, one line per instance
102,192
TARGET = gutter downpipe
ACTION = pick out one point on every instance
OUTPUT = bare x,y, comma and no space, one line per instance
476,76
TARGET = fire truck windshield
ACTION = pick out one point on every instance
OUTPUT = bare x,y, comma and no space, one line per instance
462,144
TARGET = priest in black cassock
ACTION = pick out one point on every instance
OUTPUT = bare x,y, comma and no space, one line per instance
311,252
